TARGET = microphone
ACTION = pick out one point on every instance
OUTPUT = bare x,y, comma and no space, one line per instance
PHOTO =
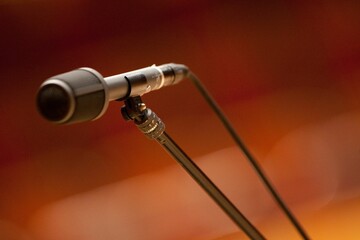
83,94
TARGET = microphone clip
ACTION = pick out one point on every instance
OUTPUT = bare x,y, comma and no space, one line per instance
145,119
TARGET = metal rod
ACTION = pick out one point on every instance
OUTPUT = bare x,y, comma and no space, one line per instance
152,126
200,177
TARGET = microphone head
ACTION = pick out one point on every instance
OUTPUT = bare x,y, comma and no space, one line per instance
75,96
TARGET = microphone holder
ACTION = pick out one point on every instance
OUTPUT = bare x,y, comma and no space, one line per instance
152,126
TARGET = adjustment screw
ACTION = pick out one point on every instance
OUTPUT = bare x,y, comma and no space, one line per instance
141,106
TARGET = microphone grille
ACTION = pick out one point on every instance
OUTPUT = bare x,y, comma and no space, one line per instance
53,102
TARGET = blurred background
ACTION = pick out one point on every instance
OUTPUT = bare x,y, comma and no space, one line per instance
287,74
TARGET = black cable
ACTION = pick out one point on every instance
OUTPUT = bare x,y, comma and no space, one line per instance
215,107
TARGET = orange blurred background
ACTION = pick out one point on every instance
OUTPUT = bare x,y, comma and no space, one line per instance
286,73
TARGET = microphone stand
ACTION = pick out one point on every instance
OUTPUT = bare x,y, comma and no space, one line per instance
152,126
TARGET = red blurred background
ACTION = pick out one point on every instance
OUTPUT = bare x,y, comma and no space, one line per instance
275,68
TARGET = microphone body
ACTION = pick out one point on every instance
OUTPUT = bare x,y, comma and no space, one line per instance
83,94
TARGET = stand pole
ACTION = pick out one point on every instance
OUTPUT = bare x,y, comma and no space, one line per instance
154,128
200,177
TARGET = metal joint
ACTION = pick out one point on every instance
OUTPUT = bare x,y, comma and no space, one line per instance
151,126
